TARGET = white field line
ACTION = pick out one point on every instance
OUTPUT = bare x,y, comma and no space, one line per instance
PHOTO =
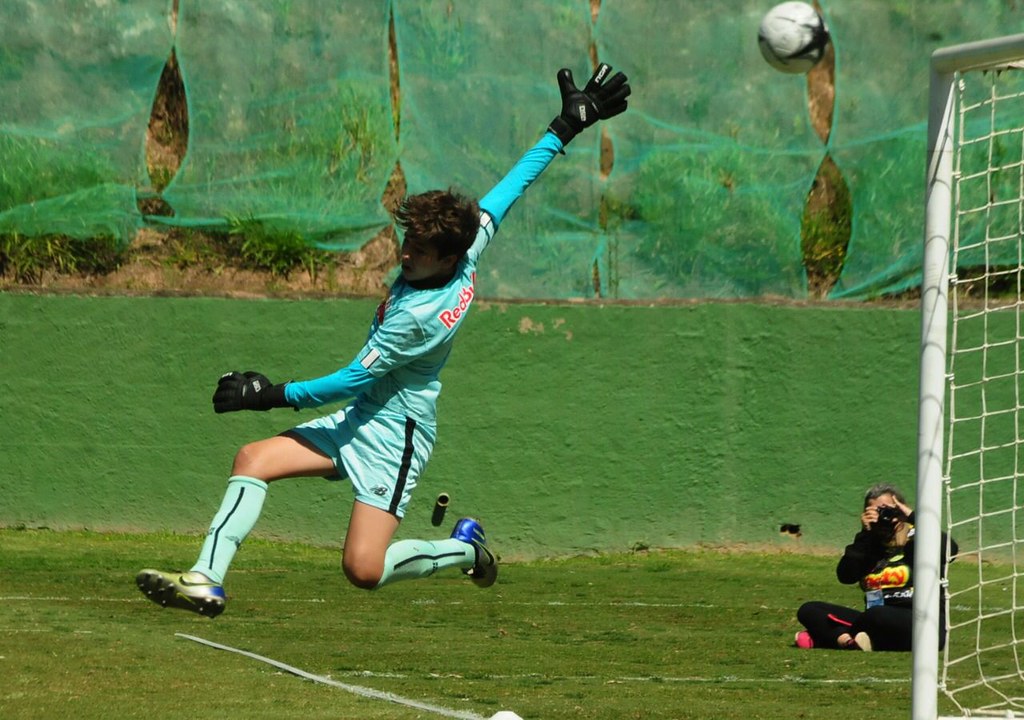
696,680
55,598
15,631
428,601
547,603
355,689
424,601
691,680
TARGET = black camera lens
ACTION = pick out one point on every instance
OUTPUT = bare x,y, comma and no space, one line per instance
888,515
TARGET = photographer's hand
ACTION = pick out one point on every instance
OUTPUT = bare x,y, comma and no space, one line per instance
904,508
869,517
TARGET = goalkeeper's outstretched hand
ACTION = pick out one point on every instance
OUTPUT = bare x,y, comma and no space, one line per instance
247,391
601,98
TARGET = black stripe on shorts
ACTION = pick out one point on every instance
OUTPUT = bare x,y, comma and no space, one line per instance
403,471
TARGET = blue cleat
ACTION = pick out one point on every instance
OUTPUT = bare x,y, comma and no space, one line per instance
485,571
186,591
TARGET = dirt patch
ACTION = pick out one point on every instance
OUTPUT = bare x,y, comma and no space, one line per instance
155,264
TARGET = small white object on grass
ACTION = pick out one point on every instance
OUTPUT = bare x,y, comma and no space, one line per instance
505,715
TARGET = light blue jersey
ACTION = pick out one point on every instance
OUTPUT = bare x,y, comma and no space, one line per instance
383,439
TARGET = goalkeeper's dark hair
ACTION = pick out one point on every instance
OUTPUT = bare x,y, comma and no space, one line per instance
880,489
444,218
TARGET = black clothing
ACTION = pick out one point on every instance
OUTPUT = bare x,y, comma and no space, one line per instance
885,574
888,626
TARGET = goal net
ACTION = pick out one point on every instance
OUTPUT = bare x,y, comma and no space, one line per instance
971,482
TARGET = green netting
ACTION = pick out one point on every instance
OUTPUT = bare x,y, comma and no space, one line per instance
478,89
290,118
77,80
291,127
713,162
880,129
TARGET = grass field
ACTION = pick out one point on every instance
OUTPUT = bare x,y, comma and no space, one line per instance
696,634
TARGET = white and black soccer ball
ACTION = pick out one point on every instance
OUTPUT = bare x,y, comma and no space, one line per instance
792,37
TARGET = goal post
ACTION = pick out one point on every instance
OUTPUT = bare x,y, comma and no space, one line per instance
974,219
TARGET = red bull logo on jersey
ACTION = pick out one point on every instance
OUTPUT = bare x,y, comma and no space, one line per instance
890,577
452,315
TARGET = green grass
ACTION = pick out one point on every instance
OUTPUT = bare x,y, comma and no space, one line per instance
650,635
27,259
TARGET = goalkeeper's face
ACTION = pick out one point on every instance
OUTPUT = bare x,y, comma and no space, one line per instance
421,262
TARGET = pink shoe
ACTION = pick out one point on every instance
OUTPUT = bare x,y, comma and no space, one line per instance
804,640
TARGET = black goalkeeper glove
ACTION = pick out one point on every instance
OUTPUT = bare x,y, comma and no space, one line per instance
247,391
600,99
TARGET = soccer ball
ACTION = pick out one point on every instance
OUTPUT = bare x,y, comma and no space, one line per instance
792,37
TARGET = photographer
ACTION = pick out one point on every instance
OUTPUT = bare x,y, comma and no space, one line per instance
881,560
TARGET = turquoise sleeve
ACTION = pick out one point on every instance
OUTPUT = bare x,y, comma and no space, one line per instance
348,382
502,196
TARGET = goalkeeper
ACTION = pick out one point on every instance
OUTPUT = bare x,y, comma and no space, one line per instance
382,440
881,560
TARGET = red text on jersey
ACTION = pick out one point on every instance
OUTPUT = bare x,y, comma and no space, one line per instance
451,316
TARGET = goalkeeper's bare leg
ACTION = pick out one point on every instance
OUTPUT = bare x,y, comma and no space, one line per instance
370,559
256,465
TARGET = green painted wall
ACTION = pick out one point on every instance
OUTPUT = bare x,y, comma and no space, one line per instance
565,428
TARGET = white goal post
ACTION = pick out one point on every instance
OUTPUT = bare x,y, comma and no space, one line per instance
972,355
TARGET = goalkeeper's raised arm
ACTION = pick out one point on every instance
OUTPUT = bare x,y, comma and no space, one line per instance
604,96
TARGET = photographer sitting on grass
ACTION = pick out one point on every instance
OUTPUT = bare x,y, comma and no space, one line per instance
881,560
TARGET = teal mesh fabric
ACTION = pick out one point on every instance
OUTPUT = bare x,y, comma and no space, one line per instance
290,118
714,159
478,89
880,129
698,191
77,81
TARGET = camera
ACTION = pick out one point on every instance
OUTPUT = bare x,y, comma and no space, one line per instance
888,516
